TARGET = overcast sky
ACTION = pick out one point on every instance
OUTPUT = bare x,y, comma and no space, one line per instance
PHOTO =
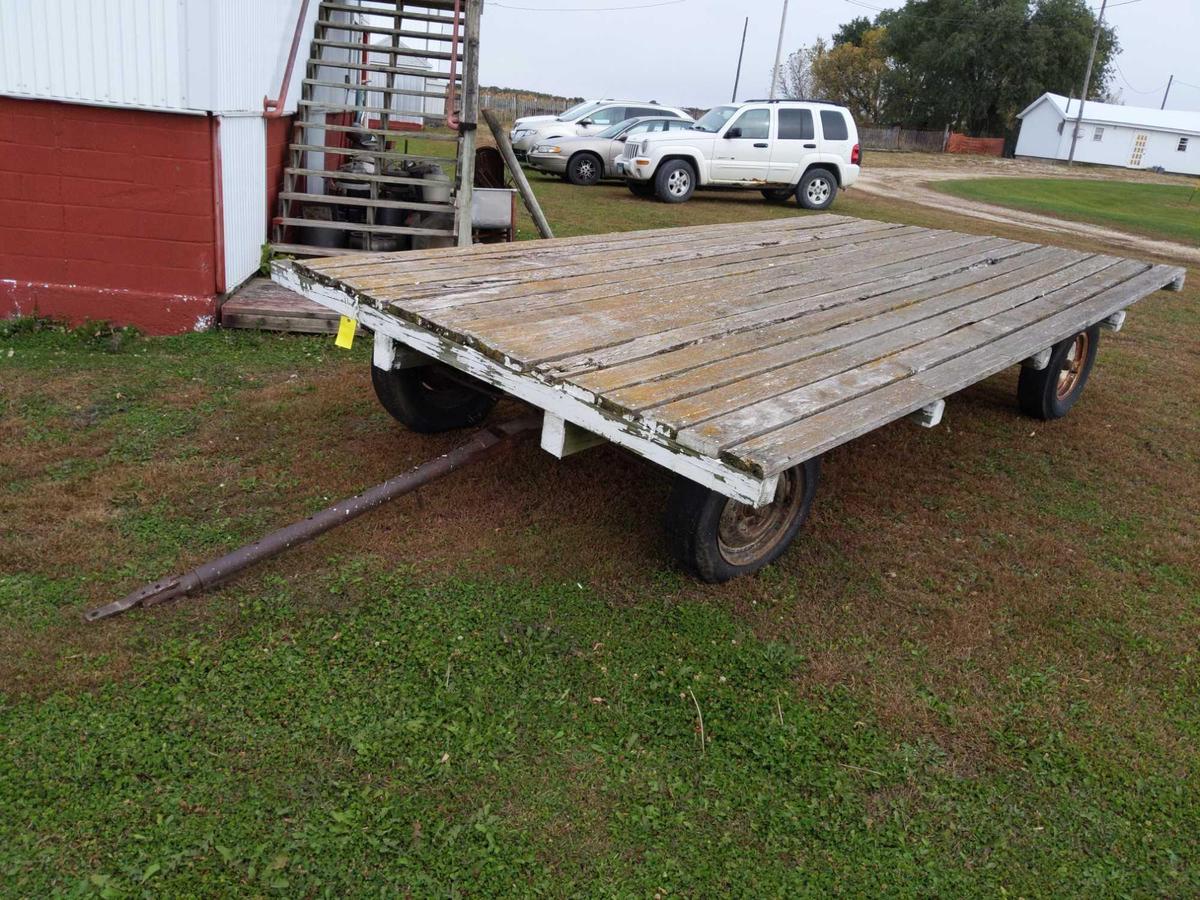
684,52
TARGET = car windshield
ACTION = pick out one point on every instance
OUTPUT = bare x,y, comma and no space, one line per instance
577,110
714,118
613,130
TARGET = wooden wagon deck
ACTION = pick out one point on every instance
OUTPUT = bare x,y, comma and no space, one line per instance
730,353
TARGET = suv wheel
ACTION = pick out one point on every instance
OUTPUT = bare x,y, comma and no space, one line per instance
675,181
584,169
817,189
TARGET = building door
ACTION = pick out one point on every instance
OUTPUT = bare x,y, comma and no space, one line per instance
743,151
1139,149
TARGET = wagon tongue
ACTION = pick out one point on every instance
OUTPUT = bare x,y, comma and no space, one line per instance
213,573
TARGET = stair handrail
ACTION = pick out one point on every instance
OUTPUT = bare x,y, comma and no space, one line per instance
451,97
273,108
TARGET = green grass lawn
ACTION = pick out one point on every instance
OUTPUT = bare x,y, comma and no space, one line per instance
975,674
1168,211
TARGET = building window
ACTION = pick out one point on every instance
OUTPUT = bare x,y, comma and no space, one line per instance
1098,134
1182,148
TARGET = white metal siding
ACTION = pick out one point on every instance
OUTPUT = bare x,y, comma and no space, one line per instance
243,194
172,55
94,51
1039,134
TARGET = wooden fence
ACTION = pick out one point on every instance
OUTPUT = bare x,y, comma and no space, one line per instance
897,138
945,141
510,105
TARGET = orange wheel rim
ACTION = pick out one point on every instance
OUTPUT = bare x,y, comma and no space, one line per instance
1072,370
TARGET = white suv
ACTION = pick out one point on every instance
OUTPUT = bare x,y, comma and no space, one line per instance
584,118
785,148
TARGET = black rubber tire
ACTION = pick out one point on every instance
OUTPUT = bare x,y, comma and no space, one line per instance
1038,389
675,171
693,523
778,195
427,400
806,182
584,169
640,188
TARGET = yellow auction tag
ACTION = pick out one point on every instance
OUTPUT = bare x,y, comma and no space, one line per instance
345,335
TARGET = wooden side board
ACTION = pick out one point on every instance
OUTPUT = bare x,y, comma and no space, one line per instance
732,352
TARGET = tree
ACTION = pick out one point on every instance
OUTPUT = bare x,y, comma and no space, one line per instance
796,72
852,32
969,64
855,75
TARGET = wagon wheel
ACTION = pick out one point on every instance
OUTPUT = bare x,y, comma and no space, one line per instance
1050,393
717,539
431,398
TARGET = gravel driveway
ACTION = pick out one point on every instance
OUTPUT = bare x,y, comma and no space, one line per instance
906,176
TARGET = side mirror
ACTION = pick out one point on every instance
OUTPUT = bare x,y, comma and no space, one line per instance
733,133
622,139
584,123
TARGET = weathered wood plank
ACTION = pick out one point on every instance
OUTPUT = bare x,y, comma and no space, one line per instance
782,448
481,282
855,306
663,310
844,375
367,264
646,347
720,388
696,261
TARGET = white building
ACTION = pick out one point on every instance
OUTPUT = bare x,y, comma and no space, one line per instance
1111,135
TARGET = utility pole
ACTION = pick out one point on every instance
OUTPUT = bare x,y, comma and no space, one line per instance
1087,80
1170,81
779,50
741,53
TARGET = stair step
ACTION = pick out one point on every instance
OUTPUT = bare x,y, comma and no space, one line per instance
359,226
377,154
335,200
439,118
310,250
394,32
428,74
413,134
357,176
405,92
405,14
390,50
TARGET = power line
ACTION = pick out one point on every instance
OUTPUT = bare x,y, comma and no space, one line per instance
556,9
1132,89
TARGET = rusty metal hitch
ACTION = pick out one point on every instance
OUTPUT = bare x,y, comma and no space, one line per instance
217,571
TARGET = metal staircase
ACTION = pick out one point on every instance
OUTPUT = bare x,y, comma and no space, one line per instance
383,76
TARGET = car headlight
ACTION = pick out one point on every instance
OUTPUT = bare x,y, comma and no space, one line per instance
548,148
521,133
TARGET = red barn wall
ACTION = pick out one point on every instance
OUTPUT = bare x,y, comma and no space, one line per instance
279,136
107,214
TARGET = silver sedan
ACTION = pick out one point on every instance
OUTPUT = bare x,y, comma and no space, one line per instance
588,158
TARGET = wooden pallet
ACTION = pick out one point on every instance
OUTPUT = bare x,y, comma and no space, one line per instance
730,353
266,306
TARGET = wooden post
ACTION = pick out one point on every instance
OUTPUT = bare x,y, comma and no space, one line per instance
510,159
468,124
